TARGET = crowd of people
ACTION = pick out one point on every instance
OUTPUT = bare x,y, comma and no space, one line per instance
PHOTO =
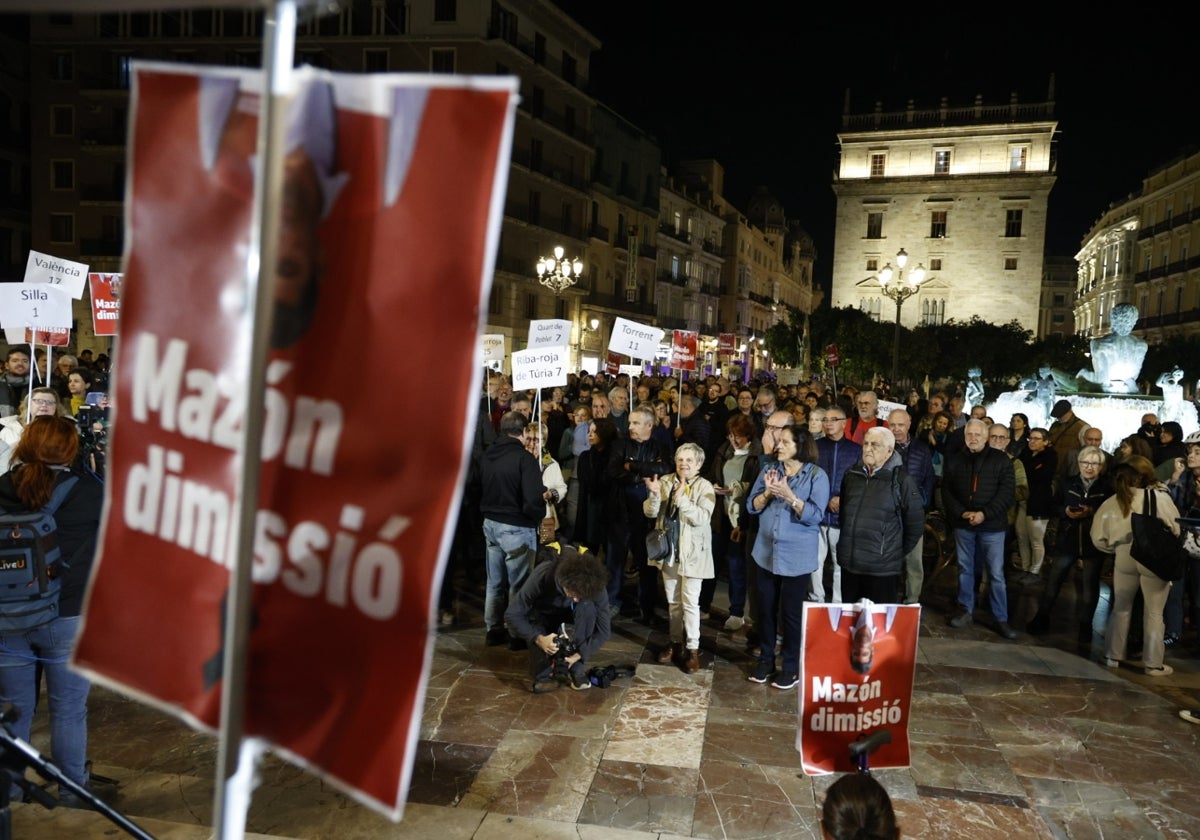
52,439
798,493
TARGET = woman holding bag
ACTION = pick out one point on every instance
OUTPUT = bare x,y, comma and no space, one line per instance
691,499
790,495
1112,532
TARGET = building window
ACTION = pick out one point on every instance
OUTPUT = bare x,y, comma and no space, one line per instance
941,162
560,309
1010,263
675,265
935,263
874,226
62,66
494,301
1058,318
933,312
1012,223
62,120
1018,158
537,102
878,164
62,174
62,228
1060,300
937,224
539,48
441,60
445,11
531,305
873,264
568,68
375,61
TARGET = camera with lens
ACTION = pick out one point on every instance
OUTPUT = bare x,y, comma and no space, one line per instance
566,645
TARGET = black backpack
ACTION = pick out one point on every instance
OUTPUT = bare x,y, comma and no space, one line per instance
31,564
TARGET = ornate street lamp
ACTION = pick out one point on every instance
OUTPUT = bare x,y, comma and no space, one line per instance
557,273
895,286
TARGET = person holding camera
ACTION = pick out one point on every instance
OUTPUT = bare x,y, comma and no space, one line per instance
569,589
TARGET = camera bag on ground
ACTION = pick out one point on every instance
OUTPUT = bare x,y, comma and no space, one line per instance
31,564
603,676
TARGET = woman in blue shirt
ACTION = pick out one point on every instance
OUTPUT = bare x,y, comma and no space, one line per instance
790,495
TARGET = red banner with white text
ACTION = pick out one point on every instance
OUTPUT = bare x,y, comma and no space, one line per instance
856,677
390,212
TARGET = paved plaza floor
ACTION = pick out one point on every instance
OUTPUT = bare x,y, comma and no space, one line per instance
1024,739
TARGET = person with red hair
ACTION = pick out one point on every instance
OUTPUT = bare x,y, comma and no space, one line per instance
43,459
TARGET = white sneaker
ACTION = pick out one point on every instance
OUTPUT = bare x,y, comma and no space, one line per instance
1112,663
1164,671
734,622
1190,715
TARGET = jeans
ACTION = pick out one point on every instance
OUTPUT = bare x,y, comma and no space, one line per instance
828,537
988,547
510,552
67,691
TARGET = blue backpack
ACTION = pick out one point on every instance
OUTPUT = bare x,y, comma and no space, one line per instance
31,564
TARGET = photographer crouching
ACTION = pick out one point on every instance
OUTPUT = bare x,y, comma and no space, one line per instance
569,588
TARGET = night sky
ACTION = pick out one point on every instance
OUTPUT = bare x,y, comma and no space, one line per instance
761,86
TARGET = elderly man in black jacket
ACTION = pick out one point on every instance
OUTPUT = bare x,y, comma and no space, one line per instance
978,487
631,461
882,519
512,504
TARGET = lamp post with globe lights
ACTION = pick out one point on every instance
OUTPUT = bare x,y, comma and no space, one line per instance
558,273
896,286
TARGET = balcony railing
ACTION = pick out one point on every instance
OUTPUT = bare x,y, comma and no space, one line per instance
1185,218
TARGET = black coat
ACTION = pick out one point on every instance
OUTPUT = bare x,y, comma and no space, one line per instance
882,519
982,481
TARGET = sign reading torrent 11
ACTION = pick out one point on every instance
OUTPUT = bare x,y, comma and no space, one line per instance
344,582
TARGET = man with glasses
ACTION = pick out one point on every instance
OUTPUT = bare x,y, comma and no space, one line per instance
764,405
1075,503
835,455
1040,463
978,488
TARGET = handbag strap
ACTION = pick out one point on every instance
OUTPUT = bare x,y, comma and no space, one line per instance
1149,506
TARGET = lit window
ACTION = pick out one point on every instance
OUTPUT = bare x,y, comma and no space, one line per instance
937,224
941,162
1018,157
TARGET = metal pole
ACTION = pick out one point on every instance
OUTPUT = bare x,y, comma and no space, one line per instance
896,342
236,761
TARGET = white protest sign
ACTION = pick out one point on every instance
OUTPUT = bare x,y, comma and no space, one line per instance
43,268
550,332
634,339
493,347
40,305
886,408
540,367
631,370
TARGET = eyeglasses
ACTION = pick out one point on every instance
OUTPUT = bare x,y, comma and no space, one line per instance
1037,439
834,420
1089,463
997,437
45,402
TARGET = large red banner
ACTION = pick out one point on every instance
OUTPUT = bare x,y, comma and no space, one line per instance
390,212
856,677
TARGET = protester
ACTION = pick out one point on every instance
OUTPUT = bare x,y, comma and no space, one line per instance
790,496
691,500
44,458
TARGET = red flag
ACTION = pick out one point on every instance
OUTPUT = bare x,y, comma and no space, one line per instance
612,363
106,302
354,508
856,677
683,349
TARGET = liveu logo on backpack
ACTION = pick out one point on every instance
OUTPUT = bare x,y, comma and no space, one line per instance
31,564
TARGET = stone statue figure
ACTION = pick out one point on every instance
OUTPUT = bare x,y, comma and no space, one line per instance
974,392
1172,407
1117,357
1042,389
